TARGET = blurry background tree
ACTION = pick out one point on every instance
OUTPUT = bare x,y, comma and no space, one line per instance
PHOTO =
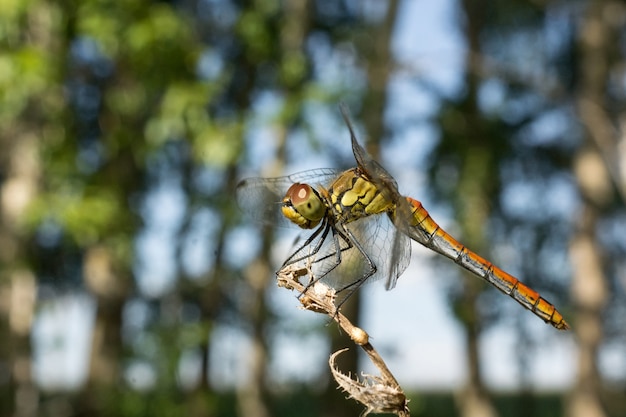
124,127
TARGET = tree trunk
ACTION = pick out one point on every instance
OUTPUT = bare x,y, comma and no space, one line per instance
105,281
473,399
589,296
589,287
472,196
18,290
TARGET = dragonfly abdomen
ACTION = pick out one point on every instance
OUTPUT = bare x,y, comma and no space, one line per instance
511,286
427,232
542,308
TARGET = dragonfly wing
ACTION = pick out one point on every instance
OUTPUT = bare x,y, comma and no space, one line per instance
261,198
315,177
397,251
375,172
400,258
388,251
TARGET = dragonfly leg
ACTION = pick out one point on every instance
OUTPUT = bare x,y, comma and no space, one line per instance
337,235
293,259
306,254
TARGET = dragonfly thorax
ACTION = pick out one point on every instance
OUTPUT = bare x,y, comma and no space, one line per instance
303,206
354,196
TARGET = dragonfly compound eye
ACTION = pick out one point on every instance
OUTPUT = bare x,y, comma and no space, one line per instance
303,206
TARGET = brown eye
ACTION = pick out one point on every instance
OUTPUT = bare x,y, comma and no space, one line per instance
299,193
306,201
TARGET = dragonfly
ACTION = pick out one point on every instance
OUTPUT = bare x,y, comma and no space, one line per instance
362,226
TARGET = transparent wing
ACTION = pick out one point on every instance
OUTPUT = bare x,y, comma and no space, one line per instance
375,172
388,186
260,198
387,248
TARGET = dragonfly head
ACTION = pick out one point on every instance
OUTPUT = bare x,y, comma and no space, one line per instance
303,206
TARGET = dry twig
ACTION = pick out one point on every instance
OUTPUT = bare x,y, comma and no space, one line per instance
379,394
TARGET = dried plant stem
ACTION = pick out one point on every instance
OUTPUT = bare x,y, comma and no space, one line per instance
379,394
